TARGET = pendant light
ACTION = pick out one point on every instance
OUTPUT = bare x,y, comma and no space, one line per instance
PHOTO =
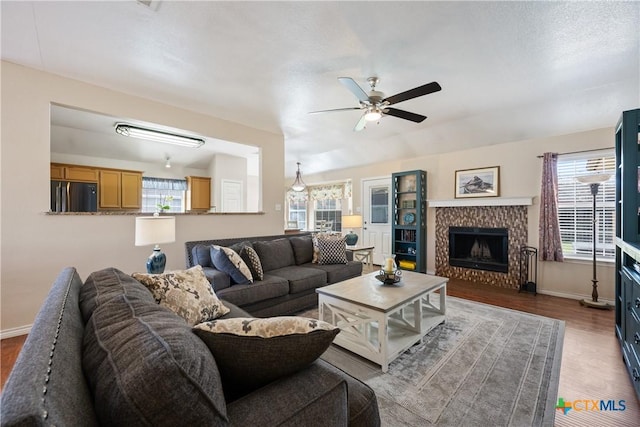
298,184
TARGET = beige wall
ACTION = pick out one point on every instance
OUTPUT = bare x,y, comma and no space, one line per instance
35,246
520,175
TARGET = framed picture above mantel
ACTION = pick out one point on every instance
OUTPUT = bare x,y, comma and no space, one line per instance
484,182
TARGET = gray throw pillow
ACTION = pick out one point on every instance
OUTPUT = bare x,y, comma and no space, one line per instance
251,352
145,366
228,261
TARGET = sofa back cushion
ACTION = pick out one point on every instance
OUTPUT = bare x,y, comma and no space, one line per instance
145,366
274,254
302,249
102,285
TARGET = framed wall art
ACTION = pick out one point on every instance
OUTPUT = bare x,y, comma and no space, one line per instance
483,182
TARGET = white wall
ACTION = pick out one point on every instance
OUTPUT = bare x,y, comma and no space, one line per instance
520,175
35,246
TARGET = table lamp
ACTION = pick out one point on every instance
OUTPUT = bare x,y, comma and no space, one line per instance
351,222
153,230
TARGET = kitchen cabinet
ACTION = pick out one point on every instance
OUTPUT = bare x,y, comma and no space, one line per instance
120,189
73,173
627,291
198,193
410,219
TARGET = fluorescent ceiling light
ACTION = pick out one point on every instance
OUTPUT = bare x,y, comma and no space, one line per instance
158,136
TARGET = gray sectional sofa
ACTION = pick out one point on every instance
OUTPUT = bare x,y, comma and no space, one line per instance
105,353
290,277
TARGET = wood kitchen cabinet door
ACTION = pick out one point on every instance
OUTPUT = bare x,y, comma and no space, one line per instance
82,174
109,189
131,190
198,193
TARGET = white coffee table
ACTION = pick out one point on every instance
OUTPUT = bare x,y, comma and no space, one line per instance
379,322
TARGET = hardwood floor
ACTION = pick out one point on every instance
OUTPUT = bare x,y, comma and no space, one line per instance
592,367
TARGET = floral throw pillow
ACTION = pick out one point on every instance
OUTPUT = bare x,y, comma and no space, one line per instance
187,293
252,352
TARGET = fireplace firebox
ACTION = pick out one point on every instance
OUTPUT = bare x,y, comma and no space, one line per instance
479,248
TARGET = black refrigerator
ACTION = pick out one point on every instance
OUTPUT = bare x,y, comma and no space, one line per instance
68,196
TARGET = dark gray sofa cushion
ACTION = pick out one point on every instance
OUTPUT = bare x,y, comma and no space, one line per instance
338,272
274,254
102,285
145,366
301,278
302,249
315,397
270,287
363,404
252,352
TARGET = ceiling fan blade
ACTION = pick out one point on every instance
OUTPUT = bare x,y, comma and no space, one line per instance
350,84
361,124
413,93
418,118
335,109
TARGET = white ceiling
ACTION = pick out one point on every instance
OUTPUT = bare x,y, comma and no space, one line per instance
509,71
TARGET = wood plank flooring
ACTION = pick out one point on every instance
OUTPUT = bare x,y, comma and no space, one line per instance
592,366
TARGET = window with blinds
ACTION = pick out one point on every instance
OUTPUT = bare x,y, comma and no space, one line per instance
575,205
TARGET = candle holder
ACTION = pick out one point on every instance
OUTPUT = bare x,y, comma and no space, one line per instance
389,273
389,278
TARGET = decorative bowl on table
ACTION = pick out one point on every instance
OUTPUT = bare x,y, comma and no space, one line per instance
389,278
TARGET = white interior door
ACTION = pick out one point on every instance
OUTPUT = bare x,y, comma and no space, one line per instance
376,216
232,196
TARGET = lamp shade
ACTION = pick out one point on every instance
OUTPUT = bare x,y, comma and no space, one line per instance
598,178
153,230
351,221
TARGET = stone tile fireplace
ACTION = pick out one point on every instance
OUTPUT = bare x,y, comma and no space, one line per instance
485,242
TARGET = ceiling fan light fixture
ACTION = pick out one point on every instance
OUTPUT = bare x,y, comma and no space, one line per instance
298,184
125,129
374,114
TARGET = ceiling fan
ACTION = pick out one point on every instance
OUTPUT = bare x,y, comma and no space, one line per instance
374,104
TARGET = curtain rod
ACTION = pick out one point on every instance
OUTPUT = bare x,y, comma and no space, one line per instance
583,151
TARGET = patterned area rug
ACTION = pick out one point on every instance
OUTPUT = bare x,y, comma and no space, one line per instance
485,366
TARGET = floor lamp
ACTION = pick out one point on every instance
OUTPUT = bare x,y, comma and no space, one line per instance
594,182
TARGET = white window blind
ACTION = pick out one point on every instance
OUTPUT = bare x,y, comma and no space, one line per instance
575,205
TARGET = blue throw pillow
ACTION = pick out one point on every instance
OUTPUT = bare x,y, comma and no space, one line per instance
228,261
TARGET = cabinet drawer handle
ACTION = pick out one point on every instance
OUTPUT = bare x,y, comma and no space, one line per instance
636,337
636,374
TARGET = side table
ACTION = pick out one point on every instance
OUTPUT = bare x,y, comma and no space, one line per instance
364,254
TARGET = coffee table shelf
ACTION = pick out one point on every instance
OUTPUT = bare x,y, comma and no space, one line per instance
379,322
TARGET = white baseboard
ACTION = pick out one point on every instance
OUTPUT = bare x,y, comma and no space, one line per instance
15,332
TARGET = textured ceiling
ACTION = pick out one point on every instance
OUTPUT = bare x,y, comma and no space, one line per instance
509,70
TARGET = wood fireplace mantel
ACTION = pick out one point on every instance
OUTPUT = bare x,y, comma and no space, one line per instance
482,201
